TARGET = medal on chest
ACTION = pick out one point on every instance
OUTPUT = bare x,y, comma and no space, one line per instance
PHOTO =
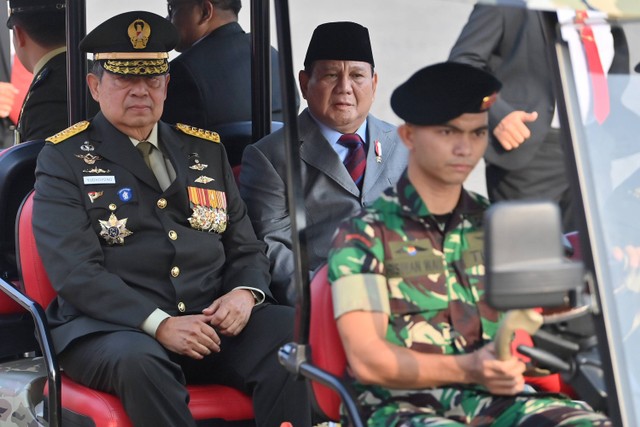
114,230
209,209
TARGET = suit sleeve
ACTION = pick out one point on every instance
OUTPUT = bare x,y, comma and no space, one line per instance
264,192
479,45
184,103
71,252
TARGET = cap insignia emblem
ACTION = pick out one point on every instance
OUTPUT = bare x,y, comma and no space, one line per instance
139,32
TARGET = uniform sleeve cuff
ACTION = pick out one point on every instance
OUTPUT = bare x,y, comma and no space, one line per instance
258,295
151,323
360,292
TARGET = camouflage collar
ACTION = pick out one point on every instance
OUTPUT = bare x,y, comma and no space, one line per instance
409,202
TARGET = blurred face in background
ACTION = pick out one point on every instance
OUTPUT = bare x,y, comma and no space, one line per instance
187,16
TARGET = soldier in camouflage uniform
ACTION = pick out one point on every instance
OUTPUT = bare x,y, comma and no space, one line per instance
407,277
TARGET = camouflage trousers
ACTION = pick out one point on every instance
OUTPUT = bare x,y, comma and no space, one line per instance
455,407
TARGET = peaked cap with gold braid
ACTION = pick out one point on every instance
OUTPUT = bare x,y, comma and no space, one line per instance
132,43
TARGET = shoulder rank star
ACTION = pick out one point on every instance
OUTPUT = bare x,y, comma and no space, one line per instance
114,230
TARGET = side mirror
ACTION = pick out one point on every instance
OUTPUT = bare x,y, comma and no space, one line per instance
524,257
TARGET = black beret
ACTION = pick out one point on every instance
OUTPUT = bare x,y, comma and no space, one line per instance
340,41
19,7
132,43
441,92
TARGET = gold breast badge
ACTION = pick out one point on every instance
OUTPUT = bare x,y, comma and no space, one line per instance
198,166
95,170
114,230
202,179
89,158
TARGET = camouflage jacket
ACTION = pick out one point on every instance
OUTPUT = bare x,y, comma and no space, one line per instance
394,258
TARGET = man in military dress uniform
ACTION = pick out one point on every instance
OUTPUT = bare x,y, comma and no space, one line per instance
39,40
407,277
160,277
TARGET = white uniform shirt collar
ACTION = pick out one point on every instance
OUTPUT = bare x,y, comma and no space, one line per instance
153,137
46,59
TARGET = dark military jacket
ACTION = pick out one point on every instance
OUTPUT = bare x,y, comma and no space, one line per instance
44,111
116,247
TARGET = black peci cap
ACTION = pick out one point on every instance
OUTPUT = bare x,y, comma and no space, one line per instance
340,41
132,43
20,7
441,92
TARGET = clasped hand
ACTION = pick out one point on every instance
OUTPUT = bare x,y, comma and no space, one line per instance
196,335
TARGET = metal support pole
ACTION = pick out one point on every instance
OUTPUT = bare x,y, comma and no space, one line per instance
260,69
76,61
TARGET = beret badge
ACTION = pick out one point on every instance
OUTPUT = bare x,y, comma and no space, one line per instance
488,101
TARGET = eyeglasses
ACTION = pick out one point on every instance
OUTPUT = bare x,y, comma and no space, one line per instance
173,6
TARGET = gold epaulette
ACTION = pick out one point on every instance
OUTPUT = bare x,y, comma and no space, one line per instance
69,132
200,133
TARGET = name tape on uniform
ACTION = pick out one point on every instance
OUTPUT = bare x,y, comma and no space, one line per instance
105,179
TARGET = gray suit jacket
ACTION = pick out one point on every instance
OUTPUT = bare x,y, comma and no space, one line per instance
509,42
331,196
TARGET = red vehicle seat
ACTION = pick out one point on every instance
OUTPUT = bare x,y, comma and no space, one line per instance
17,166
574,238
207,401
328,354
326,347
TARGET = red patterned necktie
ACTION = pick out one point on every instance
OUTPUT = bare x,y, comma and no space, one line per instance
599,85
356,159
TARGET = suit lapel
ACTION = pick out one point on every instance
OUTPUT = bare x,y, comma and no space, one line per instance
117,148
387,145
317,152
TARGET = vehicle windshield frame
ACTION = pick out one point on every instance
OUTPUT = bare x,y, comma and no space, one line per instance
589,161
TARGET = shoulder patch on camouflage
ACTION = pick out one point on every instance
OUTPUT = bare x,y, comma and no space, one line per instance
200,133
69,132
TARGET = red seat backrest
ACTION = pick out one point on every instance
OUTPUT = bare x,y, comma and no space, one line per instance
574,238
105,410
327,351
34,277
326,347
